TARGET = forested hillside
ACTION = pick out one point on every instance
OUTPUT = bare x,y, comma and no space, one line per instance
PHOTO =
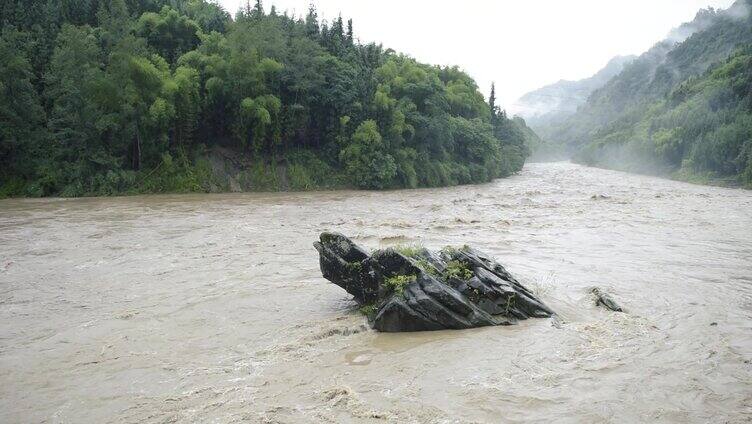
702,129
681,108
126,96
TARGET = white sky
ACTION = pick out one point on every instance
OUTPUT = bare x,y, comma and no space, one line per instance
520,44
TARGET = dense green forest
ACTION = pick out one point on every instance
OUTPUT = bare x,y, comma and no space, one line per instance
104,97
682,108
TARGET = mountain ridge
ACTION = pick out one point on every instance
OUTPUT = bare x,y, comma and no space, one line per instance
563,89
679,109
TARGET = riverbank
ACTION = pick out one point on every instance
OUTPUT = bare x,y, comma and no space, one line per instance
681,175
228,170
216,170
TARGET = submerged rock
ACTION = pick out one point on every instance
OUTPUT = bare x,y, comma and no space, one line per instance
604,299
420,290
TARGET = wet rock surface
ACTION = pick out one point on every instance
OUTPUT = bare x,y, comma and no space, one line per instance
604,300
420,290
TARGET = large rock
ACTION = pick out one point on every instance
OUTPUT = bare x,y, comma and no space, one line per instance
423,290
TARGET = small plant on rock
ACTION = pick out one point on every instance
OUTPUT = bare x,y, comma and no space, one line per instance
398,283
426,267
458,269
409,250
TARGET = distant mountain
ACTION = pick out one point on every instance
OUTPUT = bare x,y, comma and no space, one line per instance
547,107
564,97
684,107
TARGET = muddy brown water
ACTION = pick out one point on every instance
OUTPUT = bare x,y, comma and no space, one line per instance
211,308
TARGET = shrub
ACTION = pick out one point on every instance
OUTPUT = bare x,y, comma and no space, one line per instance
409,250
366,160
260,176
458,269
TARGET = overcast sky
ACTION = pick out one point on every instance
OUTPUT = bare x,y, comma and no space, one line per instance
520,44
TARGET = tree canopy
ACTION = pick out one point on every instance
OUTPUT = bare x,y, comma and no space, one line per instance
118,96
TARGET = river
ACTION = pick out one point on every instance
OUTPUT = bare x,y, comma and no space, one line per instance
211,308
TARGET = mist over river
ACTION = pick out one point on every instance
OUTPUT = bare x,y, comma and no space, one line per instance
212,308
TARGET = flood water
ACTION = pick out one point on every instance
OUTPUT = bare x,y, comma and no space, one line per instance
211,308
